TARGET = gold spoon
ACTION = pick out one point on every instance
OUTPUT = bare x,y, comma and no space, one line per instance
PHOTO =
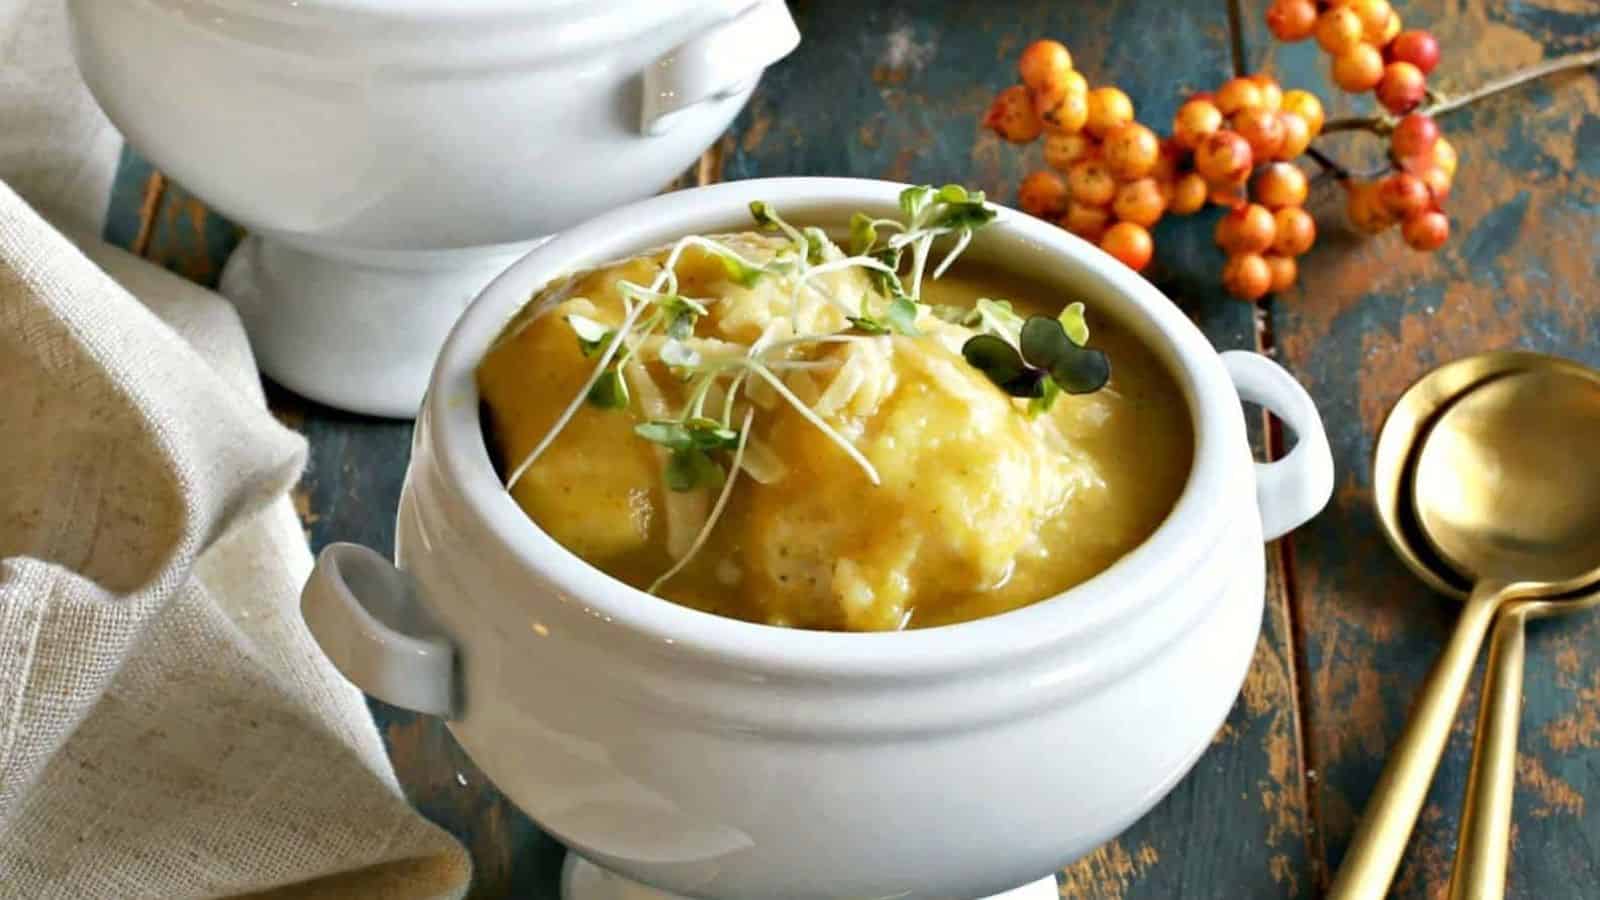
1469,493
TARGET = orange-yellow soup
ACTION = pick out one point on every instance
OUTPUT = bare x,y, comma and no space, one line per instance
980,507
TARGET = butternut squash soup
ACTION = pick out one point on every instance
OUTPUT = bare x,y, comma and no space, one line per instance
774,427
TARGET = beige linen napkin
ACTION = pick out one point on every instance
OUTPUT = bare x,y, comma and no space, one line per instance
167,726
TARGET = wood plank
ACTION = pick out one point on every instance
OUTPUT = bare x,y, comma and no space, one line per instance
1371,317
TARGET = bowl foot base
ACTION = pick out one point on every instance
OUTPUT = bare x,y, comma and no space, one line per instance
357,331
583,880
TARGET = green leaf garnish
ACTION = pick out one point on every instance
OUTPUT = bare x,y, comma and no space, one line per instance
913,200
592,336
868,325
1074,323
863,234
1046,399
902,315
954,193
688,434
689,468
739,273
972,214
680,314
610,391
762,213
994,317
817,244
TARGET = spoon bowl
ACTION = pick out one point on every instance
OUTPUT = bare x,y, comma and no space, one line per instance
1506,488
1400,441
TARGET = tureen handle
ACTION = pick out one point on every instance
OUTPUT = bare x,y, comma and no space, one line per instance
368,618
718,64
1291,490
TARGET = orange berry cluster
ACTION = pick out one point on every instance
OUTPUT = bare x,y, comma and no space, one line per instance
1370,52
1367,47
1244,138
1110,178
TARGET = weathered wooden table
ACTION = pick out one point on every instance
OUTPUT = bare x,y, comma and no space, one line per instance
895,90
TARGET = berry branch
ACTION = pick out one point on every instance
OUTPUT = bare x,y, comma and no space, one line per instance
1438,104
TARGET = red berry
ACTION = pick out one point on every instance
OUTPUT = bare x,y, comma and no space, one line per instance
1140,202
1188,194
1404,195
1130,244
1365,209
1248,229
1417,47
1238,93
1296,231
1087,222
1281,184
1043,194
1012,116
1195,121
1091,182
1414,137
1296,136
1402,88
1262,129
1224,157
1131,150
1283,271
1292,20
1247,276
1043,62
1358,69
1426,231
1438,182
1338,30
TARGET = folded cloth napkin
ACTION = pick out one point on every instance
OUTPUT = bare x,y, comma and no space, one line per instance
167,726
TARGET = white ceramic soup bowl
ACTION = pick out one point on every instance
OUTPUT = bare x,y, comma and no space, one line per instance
390,157
719,758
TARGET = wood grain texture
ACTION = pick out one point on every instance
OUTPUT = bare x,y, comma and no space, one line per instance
894,90
1371,317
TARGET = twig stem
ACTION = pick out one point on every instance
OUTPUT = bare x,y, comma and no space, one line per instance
1440,104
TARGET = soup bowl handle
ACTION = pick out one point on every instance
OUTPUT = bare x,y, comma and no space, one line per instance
720,63
1291,490
369,619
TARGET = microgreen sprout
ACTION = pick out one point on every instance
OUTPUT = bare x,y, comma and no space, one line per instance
697,444
592,335
1045,360
690,443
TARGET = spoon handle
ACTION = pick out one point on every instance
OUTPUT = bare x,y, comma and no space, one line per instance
1483,847
1380,839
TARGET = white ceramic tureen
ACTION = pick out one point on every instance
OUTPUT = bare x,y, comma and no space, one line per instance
392,156
717,758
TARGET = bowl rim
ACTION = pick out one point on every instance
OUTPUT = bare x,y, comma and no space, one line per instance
450,426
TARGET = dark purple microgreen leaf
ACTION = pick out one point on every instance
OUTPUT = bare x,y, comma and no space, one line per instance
999,361
1082,370
1043,341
